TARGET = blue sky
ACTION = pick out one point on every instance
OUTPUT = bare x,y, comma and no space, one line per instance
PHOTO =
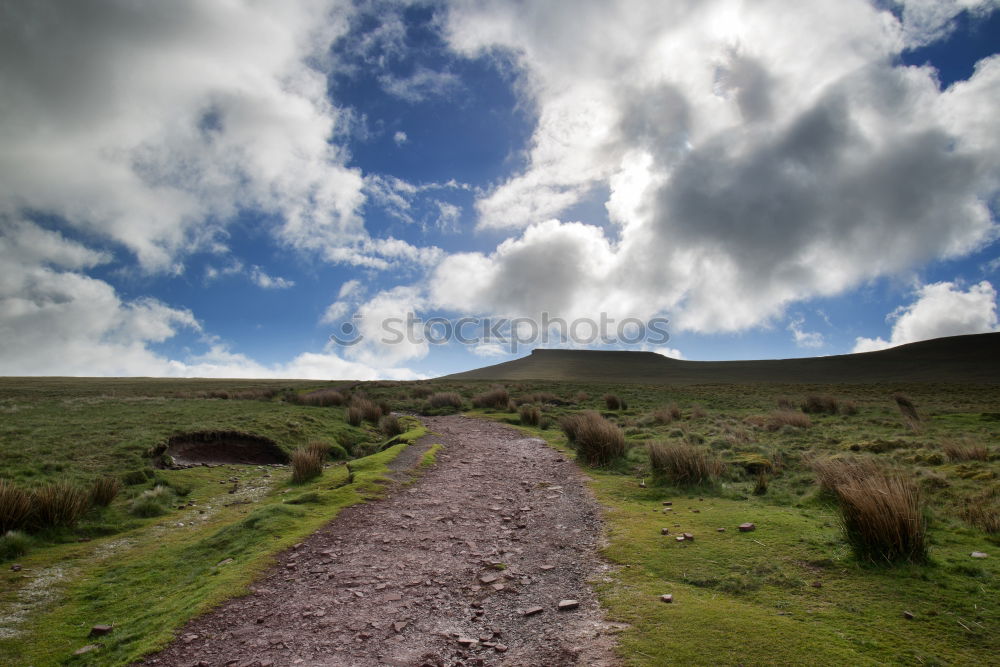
213,190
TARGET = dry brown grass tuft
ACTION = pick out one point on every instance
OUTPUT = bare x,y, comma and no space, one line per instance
909,411
496,398
683,464
815,404
58,504
355,416
667,414
320,449
614,402
780,418
982,510
698,412
530,415
421,391
391,426
320,398
965,451
307,464
370,410
598,442
445,399
15,506
104,490
881,510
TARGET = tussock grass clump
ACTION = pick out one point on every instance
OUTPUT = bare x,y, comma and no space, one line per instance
815,404
59,504
683,464
354,416
391,426
320,398
780,418
881,510
964,451
320,448
581,397
540,397
370,410
15,506
104,490
14,544
883,518
848,408
306,465
421,391
569,424
667,414
445,399
530,415
614,402
152,502
598,442
785,403
909,411
698,412
982,510
496,398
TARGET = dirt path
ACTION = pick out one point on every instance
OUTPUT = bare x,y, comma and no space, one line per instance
442,572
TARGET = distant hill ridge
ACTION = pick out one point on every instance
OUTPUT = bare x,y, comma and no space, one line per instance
972,359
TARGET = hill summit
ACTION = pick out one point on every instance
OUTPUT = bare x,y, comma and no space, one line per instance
973,359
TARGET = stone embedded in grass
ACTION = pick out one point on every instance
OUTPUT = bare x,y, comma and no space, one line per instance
908,615
100,630
688,536
531,611
86,649
667,503
979,554
680,538
664,531
720,530
747,527
566,605
667,598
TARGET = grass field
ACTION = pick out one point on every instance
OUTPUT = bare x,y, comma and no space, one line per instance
793,591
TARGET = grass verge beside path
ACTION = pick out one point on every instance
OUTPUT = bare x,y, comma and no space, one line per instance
789,592
147,583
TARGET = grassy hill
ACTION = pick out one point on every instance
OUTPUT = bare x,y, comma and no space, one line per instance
973,359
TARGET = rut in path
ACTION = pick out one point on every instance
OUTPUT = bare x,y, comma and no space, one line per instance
438,573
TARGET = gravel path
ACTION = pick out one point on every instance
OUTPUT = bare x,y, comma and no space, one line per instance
466,566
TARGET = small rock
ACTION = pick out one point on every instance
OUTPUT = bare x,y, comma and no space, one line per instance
908,615
188,638
720,530
689,537
531,611
498,587
667,503
817,584
86,649
500,648
100,630
667,598
747,527
680,538
487,579
16,567
979,554
467,641
566,605
546,567
399,626
226,561
664,531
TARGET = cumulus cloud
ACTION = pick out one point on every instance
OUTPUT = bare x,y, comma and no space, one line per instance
266,281
941,309
802,337
400,137
750,155
55,320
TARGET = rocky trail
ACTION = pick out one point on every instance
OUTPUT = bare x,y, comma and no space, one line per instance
483,560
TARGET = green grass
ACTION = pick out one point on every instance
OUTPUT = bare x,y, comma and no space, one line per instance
430,456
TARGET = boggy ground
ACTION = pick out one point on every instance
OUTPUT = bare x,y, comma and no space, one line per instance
444,571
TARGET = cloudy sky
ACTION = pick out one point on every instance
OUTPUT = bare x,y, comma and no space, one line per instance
214,188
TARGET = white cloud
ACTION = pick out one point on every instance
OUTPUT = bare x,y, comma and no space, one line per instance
420,85
155,126
400,137
490,350
671,352
753,155
926,21
802,338
54,320
265,281
941,309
